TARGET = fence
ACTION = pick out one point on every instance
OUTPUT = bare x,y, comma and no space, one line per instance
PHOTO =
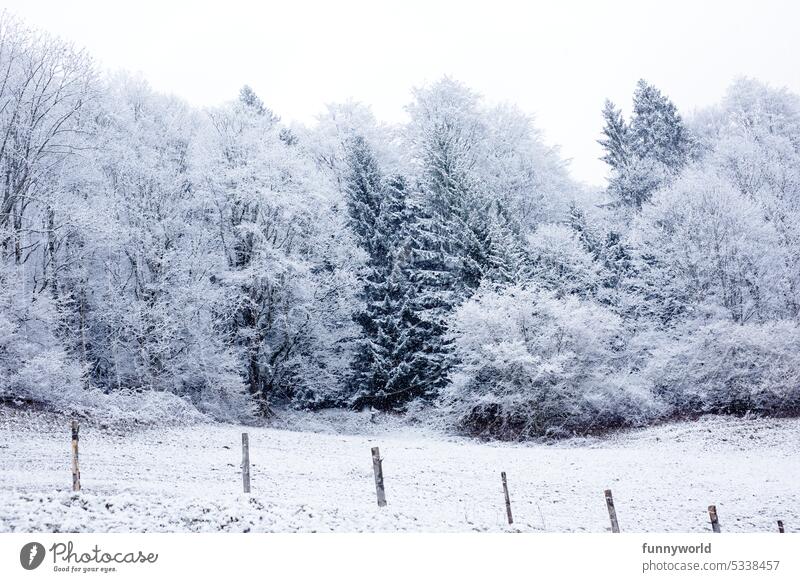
380,490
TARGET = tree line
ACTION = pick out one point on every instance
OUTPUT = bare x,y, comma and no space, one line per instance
224,261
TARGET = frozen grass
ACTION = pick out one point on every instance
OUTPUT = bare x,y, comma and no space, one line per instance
188,478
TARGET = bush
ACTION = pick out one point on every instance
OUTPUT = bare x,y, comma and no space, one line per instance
728,368
531,364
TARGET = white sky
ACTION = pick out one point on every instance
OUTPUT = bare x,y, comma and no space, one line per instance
556,60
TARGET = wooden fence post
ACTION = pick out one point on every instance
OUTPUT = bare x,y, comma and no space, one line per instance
780,526
377,468
712,513
76,473
246,462
508,499
612,512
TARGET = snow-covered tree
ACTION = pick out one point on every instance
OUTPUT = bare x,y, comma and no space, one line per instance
288,273
646,152
446,130
532,364
561,263
363,186
616,140
656,128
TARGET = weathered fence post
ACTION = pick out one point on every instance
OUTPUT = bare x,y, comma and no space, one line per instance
612,512
780,526
508,499
377,467
246,462
712,513
76,472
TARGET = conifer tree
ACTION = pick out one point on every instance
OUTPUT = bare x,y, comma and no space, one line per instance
363,193
646,153
615,139
433,272
447,132
251,100
617,260
392,364
386,369
508,261
578,223
657,130
461,211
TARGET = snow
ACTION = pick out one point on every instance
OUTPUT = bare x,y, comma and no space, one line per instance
188,478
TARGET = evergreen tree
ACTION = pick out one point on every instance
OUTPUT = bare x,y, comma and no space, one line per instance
385,370
447,130
634,184
362,187
617,260
646,153
248,98
577,221
391,366
433,272
508,261
657,130
401,354
616,137
363,193
461,214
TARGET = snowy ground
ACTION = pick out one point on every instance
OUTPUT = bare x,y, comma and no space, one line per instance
188,479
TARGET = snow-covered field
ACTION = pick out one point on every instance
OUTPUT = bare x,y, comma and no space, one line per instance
188,479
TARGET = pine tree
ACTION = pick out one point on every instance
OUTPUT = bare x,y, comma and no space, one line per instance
394,361
248,98
508,261
385,366
362,188
462,217
433,272
448,129
578,223
454,246
657,130
616,137
617,260
646,153
397,358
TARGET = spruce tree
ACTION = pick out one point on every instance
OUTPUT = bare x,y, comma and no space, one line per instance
362,186
452,198
249,99
657,130
388,365
577,221
508,261
616,137
393,362
617,260
646,153
433,273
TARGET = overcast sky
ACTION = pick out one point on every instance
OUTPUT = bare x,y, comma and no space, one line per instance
556,60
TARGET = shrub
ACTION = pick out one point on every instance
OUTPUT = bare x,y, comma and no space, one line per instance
531,364
730,368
